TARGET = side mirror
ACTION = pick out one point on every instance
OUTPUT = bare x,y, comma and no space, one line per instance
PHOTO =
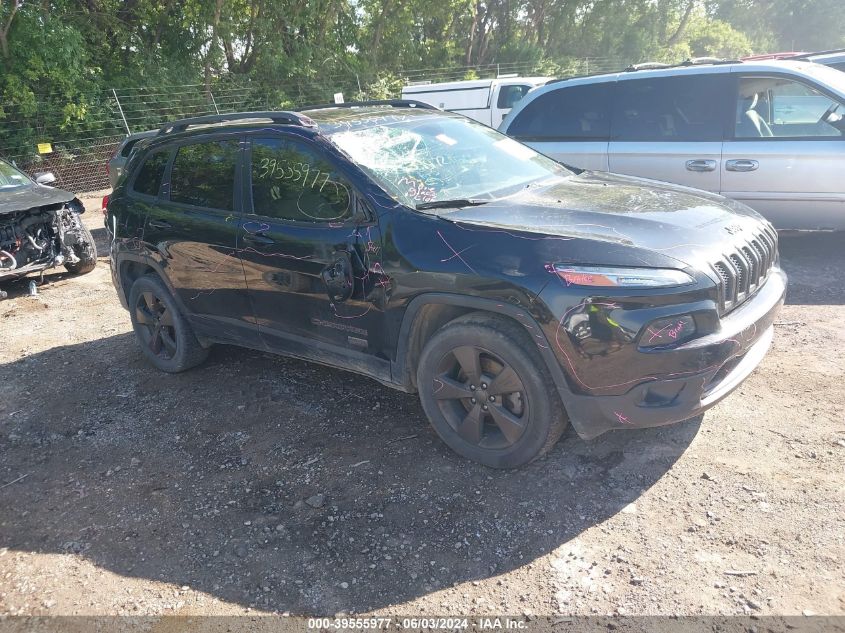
338,278
45,178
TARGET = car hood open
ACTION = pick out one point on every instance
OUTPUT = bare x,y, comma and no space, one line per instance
30,197
680,222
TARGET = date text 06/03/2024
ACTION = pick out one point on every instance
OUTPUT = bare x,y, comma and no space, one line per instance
450,624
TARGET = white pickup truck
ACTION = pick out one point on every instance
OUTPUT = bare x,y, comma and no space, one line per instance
485,100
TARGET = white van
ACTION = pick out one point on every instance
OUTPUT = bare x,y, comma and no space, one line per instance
485,100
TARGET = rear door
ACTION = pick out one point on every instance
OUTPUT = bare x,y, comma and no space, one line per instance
570,124
194,229
785,155
670,128
312,254
143,195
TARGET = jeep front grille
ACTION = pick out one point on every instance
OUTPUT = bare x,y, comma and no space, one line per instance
744,269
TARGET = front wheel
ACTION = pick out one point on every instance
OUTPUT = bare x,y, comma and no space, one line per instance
165,336
486,391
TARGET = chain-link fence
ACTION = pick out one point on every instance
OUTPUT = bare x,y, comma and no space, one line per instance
44,137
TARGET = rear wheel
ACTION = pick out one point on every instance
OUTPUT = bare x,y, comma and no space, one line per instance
486,391
165,336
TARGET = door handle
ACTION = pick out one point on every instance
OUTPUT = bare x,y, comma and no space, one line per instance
159,224
258,238
741,164
701,165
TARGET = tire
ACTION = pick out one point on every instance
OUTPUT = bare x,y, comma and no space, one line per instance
165,337
500,428
86,251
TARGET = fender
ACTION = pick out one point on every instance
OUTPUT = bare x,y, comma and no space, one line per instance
402,372
139,257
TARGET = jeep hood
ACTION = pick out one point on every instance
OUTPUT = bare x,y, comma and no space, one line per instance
680,222
30,197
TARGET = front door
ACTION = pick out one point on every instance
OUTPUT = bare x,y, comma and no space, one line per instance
194,227
786,157
670,128
312,254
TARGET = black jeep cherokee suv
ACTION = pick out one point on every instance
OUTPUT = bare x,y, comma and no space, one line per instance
436,255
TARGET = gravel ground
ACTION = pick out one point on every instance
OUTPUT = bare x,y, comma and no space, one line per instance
262,484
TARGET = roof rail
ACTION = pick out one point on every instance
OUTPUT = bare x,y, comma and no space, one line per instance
284,117
697,61
694,61
560,79
817,53
394,103
646,66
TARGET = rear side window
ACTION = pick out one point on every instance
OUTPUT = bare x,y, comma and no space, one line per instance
689,108
203,175
128,148
148,180
571,113
291,181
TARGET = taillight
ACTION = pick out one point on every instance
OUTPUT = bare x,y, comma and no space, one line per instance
105,204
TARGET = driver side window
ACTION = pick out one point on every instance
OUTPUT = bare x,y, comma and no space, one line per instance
290,181
783,108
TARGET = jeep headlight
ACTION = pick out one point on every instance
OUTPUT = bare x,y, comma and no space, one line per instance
611,276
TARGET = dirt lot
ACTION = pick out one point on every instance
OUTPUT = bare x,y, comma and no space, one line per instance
261,484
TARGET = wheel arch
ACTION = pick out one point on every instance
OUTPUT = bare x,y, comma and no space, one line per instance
132,266
427,313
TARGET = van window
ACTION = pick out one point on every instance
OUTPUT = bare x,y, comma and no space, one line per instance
688,108
148,180
574,112
783,108
509,95
203,175
292,182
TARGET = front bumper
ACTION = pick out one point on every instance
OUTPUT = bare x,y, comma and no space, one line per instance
736,348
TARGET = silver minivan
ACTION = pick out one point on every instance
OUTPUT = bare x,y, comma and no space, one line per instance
770,134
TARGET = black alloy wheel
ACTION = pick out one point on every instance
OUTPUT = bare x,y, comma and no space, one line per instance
158,331
165,336
487,392
481,397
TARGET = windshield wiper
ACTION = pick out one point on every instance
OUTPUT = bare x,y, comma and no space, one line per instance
451,204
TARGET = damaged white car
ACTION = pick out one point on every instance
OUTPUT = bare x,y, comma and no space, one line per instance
40,227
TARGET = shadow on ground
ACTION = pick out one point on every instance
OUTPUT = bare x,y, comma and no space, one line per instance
814,263
200,479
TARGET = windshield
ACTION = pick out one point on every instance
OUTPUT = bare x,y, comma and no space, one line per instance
11,177
430,159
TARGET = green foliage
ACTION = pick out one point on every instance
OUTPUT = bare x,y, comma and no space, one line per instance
709,37
61,58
